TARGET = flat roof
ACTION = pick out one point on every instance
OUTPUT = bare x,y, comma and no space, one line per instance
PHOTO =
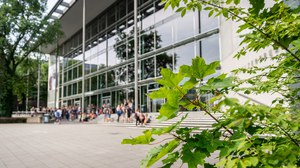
71,19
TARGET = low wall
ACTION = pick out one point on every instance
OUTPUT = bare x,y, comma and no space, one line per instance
37,119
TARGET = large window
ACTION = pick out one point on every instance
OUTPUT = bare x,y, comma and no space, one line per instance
111,78
74,88
147,42
164,35
164,60
69,90
130,73
208,48
87,85
147,68
102,81
207,23
75,73
121,75
184,27
184,55
79,87
94,83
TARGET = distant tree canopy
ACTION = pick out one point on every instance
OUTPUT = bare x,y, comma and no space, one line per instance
23,29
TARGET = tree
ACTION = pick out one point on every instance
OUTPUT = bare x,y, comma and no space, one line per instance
247,134
23,28
27,77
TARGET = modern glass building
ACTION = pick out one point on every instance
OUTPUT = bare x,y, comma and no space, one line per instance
165,40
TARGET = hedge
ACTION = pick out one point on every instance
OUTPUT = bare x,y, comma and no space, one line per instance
12,120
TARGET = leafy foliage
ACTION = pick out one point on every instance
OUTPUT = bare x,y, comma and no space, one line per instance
23,29
247,134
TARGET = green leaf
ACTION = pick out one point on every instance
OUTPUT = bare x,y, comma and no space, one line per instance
160,93
154,156
210,13
257,5
193,159
296,44
228,1
142,139
189,84
167,111
236,2
183,12
250,161
172,158
170,79
230,101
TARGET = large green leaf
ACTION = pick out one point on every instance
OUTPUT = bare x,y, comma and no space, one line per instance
167,111
170,79
193,159
257,5
142,139
159,152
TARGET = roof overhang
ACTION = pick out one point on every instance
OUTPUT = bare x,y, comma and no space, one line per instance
71,20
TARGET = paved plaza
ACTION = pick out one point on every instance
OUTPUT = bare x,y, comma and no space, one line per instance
69,146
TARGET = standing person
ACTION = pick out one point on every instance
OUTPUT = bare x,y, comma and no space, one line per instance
119,112
129,111
105,112
68,112
58,115
137,117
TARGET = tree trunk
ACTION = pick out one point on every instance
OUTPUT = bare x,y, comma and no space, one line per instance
7,103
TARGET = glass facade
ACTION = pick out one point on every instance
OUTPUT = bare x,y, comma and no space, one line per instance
165,40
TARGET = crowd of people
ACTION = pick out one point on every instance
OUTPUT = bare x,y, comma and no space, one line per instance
125,113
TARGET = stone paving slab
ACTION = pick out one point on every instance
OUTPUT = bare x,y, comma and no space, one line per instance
69,146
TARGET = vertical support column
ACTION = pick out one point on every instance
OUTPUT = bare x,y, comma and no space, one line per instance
39,80
135,57
83,55
56,75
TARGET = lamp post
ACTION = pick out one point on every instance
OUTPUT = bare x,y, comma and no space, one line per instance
83,56
39,78
135,57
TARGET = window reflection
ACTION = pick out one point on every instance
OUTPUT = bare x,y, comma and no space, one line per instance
184,26
130,73
121,75
111,78
74,88
147,18
94,83
207,23
87,85
75,73
184,55
102,81
65,91
69,90
70,75
164,35
162,14
147,67
79,87
87,68
164,60
209,49
147,42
